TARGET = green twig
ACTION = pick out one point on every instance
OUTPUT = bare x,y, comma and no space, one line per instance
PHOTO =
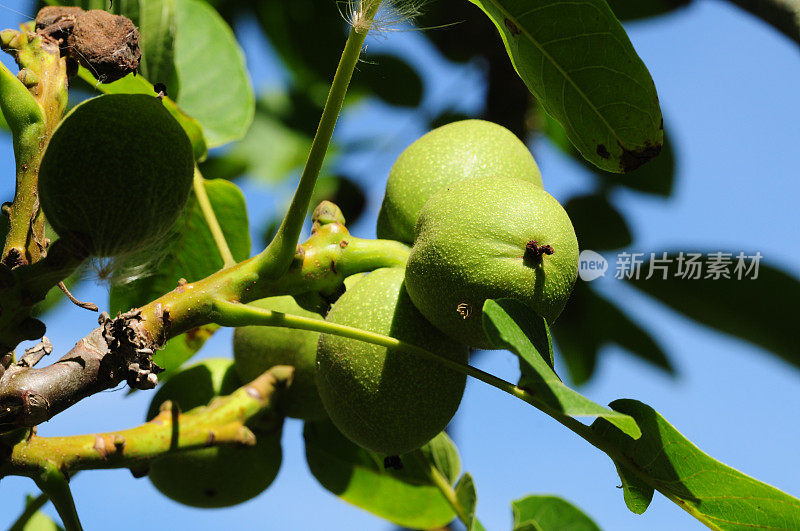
278,255
211,220
221,422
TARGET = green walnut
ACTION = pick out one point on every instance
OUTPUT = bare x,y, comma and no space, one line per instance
219,476
384,400
445,156
116,174
257,348
491,237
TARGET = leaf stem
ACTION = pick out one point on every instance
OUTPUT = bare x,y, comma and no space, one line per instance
442,484
211,219
54,483
279,253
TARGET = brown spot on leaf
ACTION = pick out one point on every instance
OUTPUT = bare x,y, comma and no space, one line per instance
632,159
602,151
512,27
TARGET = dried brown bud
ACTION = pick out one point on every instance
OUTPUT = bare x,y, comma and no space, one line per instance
107,45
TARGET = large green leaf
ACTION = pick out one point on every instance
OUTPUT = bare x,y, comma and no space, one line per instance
761,310
714,493
590,322
406,497
157,26
190,254
549,513
577,60
215,89
269,151
501,320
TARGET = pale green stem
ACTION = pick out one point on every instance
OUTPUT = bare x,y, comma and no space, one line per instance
279,254
235,314
442,484
52,482
211,220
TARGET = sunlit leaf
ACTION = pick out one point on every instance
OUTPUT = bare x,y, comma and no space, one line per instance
549,513
215,88
406,497
500,321
577,60
714,493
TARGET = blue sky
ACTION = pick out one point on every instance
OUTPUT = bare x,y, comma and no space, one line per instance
728,88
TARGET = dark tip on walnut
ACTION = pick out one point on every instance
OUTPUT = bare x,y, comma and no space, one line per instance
535,252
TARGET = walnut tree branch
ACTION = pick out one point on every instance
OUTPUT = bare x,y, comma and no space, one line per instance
218,423
121,349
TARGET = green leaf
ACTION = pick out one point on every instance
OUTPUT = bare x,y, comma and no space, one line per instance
501,320
405,497
761,311
269,151
598,224
590,322
157,26
139,85
442,453
656,177
635,9
191,254
467,498
577,60
215,88
714,493
636,492
549,513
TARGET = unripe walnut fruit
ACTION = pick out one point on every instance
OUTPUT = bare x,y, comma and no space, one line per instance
257,348
218,476
445,156
116,173
490,238
384,400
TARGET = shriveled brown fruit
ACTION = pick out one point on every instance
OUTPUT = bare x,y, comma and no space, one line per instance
107,45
